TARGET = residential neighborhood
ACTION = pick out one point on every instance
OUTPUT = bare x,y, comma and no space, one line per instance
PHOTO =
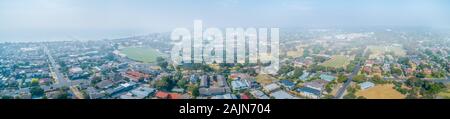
331,66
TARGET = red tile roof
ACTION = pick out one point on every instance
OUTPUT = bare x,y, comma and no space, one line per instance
166,95
367,69
175,96
134,75
244,96
162,95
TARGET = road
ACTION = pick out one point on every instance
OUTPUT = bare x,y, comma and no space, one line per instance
60,80
76,92
340,92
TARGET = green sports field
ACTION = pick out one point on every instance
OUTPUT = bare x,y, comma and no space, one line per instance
336,61
142,54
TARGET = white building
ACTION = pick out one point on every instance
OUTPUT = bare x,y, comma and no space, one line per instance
271,87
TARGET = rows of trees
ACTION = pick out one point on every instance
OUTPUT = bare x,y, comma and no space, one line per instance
418,88
351,90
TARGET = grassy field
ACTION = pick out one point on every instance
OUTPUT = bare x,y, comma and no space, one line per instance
381,92
265,79
295,53
445,94
380,50
336,61
142,54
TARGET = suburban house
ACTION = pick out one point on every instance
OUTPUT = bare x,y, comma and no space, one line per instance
239,84
221,81
287,84
142,92
225,96
162,95
135,76
104,84
309,92
271,87
281,94
165,95
326,77
259,94
244,96
316,84
178,90
204,81
304,76
213,91
121,88
239,75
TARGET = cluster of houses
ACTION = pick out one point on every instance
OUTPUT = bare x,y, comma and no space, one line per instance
20,69
373,67
241,81
275,91
315,88
213,86
384,64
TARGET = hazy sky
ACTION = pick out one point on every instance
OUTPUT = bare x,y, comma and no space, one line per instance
38,20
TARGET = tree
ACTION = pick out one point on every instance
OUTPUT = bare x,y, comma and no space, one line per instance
341,78
62,95
178,76
162,62
182,83
285,69
36,91
350,89
316,68
317,48
306,53
361,97
111,57
398,84
329,87
327,96
206,68
358,78
6,97
411,96
350,67
238,67
297,73
194,90
397,71
434,89
427,89
349,96
414,82
250,71
420,75
401,90
377,79
438,74
164,84
351,93
34,82
404,61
